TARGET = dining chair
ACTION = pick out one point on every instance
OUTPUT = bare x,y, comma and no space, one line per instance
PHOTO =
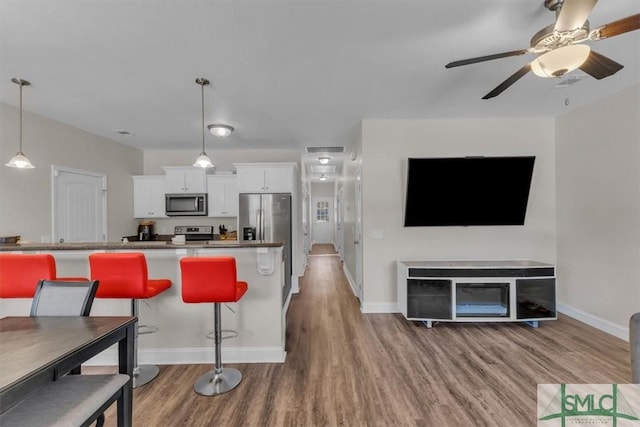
61,298
65,298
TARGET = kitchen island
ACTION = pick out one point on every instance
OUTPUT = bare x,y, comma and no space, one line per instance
259,318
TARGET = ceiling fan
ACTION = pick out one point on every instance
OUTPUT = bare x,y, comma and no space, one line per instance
558,47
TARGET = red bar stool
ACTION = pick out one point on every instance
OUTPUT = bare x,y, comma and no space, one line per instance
20,274
124,275
213,280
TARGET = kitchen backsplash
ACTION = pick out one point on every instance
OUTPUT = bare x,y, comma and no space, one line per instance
166,226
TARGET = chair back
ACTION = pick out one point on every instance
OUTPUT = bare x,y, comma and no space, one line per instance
59,298
121,275
208,279
20,273
634,342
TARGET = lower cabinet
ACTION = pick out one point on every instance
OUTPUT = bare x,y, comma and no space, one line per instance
477,291
429,298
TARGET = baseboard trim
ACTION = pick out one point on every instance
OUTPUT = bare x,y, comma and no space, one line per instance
595,321
352,283
380,307
194,356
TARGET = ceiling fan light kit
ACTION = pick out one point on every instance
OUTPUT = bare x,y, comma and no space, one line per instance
558,47
558,62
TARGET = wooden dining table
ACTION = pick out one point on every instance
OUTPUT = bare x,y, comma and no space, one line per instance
37,350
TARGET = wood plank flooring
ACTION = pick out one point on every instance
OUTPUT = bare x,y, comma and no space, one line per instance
346,368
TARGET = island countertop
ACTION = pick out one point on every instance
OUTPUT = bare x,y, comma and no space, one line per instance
259,318
78,246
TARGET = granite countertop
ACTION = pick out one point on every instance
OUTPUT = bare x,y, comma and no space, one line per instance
136,245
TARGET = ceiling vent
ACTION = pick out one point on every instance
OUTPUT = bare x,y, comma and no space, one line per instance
323,169
313,150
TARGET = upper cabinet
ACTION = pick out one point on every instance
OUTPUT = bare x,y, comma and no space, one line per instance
148,196
266,177
185,179
223,195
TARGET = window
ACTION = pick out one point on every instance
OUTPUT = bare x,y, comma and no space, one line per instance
322,211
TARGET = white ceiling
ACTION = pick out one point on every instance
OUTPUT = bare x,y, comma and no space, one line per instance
284,73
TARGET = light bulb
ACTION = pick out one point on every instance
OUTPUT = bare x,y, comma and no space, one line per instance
203,161
558,62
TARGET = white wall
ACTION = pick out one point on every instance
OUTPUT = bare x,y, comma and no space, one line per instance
386,145
348,185
598,208
25,195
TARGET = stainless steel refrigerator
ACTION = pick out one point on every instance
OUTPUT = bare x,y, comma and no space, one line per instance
267,218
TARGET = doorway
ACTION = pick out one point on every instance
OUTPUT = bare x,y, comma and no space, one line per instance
79,205
322,212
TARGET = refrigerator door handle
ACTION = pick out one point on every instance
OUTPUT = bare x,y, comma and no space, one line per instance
262,224
256,236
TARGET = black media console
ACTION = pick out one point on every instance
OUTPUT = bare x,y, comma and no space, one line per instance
477,291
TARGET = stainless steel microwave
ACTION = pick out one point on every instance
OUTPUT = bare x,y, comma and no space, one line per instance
186,204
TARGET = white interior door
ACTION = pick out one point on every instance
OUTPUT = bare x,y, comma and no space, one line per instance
305,226
339,215
322,220
358,235
79,206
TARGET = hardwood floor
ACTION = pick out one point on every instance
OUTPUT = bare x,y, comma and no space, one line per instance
346,368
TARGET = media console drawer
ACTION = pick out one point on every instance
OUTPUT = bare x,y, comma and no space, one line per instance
477,291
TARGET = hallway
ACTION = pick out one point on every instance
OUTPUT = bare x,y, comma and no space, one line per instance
346,368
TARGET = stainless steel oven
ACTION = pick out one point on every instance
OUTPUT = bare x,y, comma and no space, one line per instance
186,204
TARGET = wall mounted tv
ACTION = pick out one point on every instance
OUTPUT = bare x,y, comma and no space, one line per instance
467,191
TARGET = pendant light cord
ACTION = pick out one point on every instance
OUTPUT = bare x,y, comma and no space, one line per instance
202,98
20,84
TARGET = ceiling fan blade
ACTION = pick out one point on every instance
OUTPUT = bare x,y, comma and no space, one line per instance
486,58
573,14
511,80
599,66
620,26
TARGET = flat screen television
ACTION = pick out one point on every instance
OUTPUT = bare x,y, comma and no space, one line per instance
467,191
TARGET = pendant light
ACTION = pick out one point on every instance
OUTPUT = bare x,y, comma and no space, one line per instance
20,161
203,161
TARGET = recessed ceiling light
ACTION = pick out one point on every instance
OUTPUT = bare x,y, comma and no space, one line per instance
324,159
221,131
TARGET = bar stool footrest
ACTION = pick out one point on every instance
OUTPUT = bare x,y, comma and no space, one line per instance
147,329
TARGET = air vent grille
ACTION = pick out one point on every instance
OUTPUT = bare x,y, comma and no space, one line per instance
323,169
325,150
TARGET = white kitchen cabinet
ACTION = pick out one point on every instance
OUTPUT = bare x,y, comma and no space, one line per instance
266,177
148,196
185,180
223,195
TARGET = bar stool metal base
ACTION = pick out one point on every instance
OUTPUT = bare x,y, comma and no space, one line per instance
143,374
217,382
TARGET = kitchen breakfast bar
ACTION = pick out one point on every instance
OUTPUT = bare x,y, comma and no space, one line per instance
258,319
